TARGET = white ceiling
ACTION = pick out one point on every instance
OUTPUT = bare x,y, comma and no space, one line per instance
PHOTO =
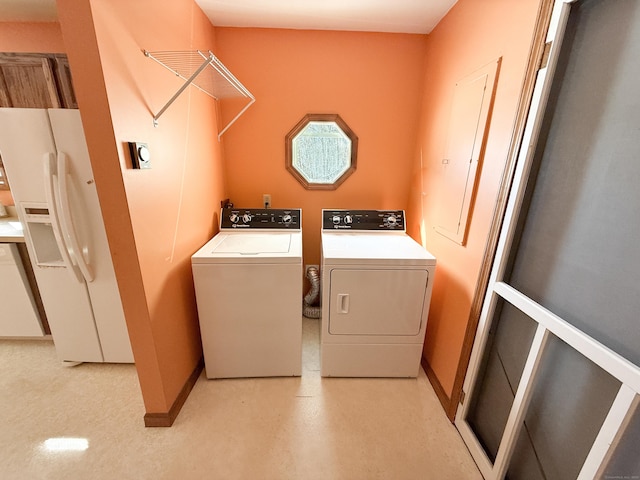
402,16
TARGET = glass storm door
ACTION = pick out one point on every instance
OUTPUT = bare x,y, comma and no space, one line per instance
552,387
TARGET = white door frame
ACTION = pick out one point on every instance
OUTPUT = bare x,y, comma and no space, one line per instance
547,323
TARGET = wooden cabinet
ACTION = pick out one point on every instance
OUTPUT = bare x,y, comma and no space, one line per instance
34,80
65,86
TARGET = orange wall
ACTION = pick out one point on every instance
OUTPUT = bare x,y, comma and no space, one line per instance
371,80
471,35
29,37
155,219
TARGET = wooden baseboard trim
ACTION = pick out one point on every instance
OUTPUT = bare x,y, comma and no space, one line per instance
445,401
167,419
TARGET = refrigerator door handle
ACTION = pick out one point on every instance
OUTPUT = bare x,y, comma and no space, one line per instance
66,219
49,189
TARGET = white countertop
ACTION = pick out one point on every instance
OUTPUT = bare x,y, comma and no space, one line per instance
10,228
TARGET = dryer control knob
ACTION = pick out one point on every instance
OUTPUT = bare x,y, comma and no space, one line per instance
286,218
234,217
348,219
246,218
391,220
336,219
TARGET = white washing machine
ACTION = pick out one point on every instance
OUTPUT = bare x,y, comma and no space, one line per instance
376,290
248,283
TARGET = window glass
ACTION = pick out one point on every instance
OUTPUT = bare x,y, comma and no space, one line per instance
321,151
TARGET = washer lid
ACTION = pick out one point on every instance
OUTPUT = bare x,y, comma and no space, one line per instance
243,247
374,248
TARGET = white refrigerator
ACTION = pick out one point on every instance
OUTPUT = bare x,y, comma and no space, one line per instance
47,164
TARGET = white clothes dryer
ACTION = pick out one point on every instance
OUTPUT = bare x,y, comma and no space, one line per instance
248,283
376,290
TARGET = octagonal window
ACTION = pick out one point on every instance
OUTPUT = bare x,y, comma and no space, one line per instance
321,151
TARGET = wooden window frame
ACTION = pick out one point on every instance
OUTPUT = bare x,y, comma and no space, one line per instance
320,117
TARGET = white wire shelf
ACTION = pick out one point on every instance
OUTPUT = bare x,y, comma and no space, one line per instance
204,71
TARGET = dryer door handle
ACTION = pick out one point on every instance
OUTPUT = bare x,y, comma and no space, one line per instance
343,303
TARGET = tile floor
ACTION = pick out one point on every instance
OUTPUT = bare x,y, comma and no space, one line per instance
274,428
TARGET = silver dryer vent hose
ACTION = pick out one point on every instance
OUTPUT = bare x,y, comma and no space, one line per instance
312,295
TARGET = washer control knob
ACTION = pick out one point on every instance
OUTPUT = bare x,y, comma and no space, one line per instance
348,219
336,219
246,218
392,220
234,217
286,219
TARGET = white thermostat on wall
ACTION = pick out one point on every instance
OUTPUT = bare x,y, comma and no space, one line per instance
140,155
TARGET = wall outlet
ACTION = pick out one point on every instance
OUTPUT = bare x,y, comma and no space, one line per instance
266,200
307,267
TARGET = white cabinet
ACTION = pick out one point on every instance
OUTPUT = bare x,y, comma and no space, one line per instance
18,312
